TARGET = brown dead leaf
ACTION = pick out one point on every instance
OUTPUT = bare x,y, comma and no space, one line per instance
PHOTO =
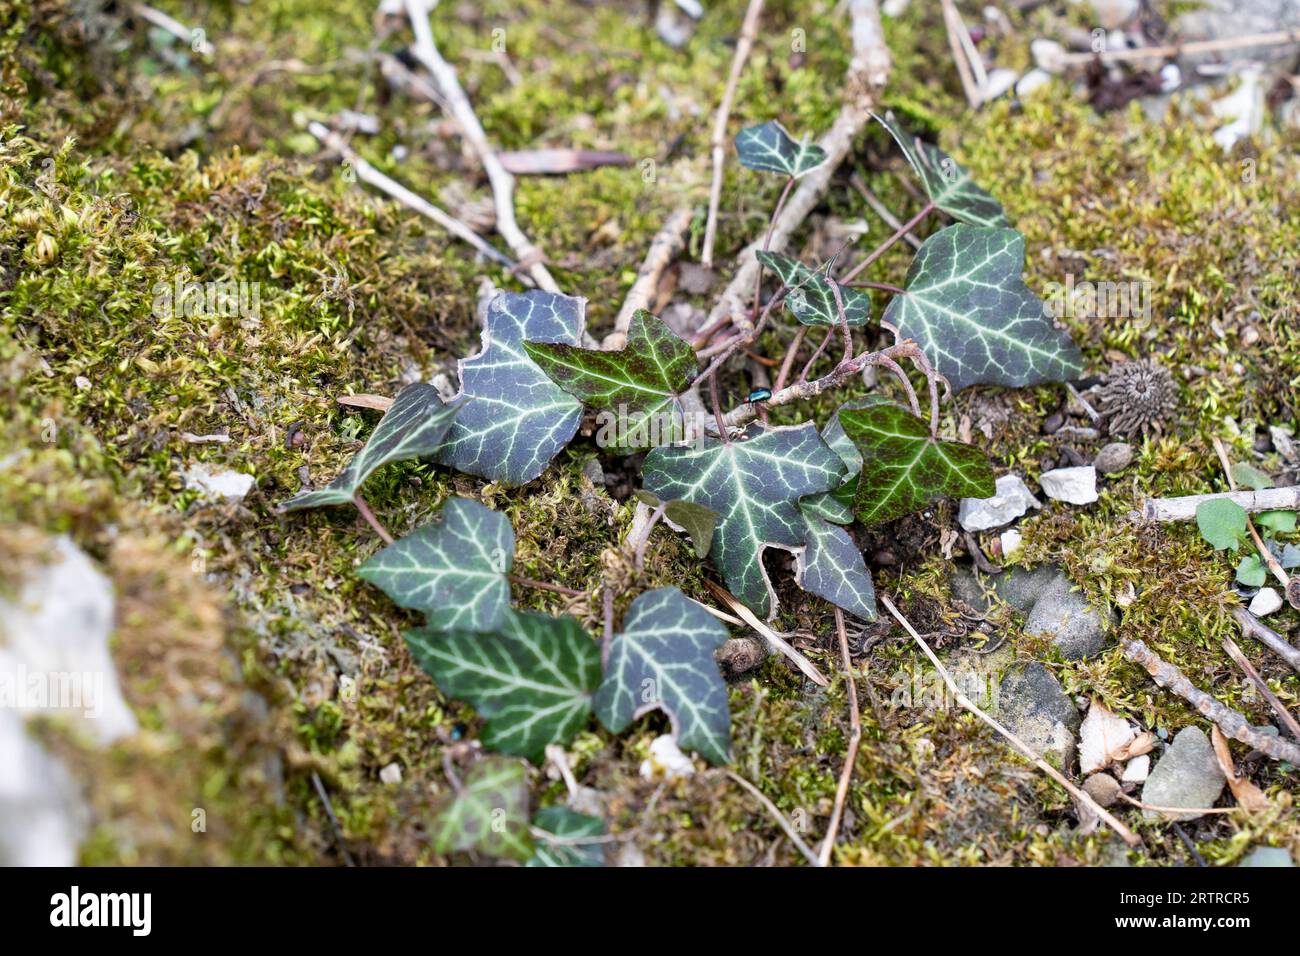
552,162
378,402
1248,796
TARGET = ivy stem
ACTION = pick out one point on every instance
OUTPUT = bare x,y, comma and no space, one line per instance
645,538
607,642
880,250
790,355
844,321
717,410
767,241
370,518
812,359
543,585
882,286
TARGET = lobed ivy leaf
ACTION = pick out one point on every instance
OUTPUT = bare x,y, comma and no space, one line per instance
831,567
696,520
663,658
489,812
567,825
1244,473
754,486
519,419
1280,522
769,148
641,381
836,505
948,185
1222,523
968,309
453,569
904,468
413,427
531,680
1251,571
811,299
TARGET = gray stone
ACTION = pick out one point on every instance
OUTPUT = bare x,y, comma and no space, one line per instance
1033,705
1011,499
1267,856
1018,587
1188,775
1103,788
1113,457
1062,615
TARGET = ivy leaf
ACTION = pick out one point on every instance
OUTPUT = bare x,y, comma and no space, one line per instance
836,505
663,658
640,381
754,486
453,569
811,299
1247,474
948,185
567,824
489,813
531,680
1251,571
519,419
696,520
413,427
831,567
1280,522
1222,523
967,307
904,468
769,148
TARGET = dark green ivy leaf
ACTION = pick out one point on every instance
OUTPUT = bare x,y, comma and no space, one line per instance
836,505
770,149
904,469
453,569
567,825
413,427
947,184
489,812
754,486
640,381
663,658
811,299
831,567
968,309
519,419
531,680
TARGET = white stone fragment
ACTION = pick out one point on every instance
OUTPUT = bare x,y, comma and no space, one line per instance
1011,499
1137,770
391,774
1265,602
1011,540
1075,486
224,485
1048,55
1033,80
666,760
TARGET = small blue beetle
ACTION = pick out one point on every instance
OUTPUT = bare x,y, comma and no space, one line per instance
759,395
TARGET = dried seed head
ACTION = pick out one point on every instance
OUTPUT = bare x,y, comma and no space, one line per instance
1137,396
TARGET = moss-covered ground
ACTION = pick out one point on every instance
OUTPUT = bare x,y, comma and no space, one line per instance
259,664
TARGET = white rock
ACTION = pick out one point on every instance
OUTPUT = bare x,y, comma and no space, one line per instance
1011,541
1171,77
1137,769
54,655
225,485
1243,109
666,761
1102,736
1076,486
1283,442
1265,602
1011,499
391,774
1048,55
1033,80
42,817
894,8
999,81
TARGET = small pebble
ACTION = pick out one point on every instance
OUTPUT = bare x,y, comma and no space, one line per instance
1265,602
391,774
1113,457
1052,424
1076,486
1103,788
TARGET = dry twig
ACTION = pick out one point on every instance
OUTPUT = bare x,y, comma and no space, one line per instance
1275,642
779,817
1184,508
855,737
664,247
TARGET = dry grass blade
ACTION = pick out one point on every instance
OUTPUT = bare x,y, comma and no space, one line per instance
774,639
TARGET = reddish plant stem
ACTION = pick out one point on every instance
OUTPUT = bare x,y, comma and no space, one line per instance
817,353
369,515
791,354
880,250
543,585
882,286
